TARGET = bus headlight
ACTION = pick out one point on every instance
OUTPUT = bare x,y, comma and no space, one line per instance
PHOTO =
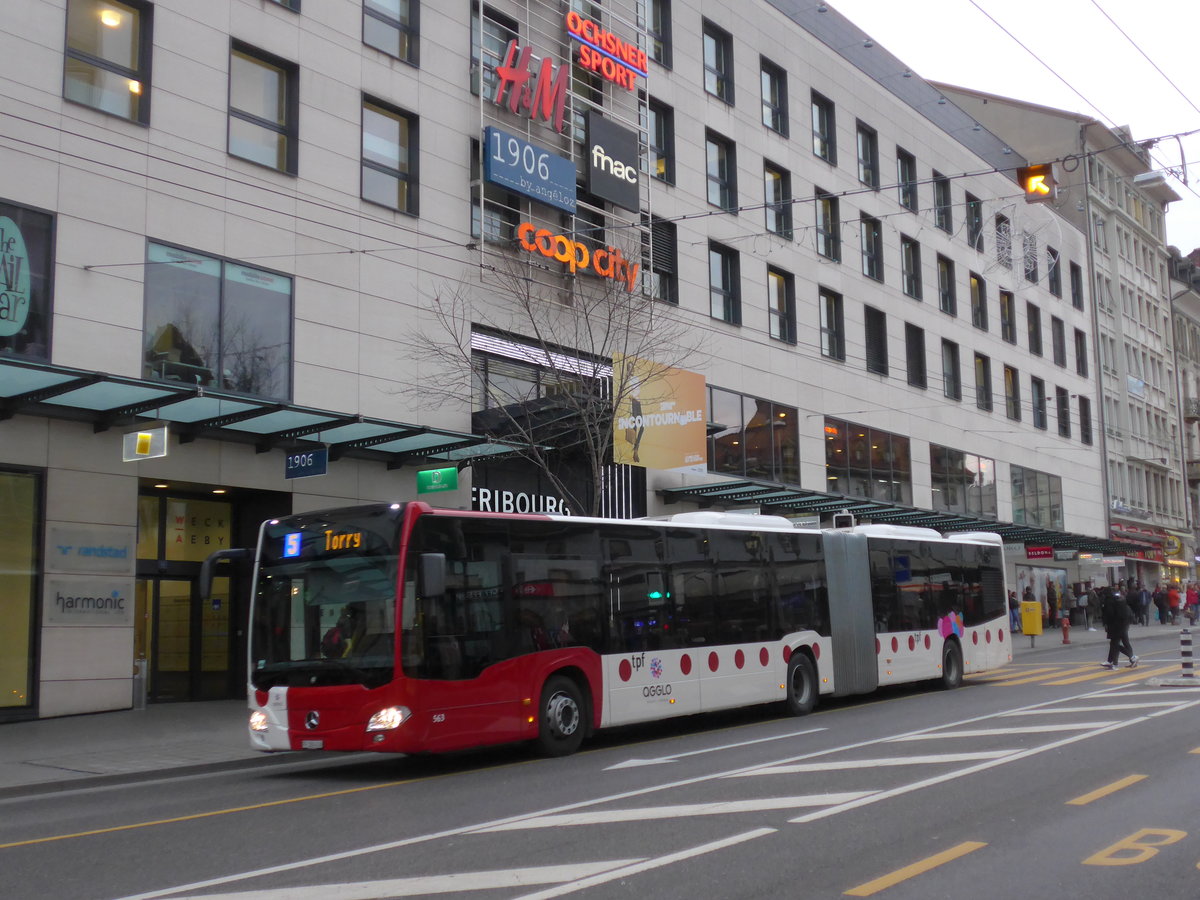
258,720
387,719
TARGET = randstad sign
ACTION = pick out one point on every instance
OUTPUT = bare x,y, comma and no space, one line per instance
607,263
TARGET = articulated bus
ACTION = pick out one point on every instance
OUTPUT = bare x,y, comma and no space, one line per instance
404,628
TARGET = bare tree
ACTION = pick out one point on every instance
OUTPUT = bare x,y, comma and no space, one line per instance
573,329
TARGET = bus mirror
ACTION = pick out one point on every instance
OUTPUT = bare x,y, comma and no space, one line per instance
432,575
206,569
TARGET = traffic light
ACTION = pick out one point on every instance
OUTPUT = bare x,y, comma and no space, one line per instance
1038,183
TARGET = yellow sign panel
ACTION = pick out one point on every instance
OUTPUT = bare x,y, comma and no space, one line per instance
659,421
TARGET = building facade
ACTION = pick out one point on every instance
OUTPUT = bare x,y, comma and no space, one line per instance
399,242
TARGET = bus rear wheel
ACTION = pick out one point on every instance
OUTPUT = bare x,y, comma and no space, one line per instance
561,729
952,666
801,684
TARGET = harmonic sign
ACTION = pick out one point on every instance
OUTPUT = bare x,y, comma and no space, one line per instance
528,169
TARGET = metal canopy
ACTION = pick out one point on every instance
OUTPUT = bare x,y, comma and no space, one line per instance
113,401
781,500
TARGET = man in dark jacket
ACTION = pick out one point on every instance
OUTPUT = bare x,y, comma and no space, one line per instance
1117,617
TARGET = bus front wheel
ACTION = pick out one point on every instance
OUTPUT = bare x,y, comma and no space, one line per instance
561,728
801,684
952,665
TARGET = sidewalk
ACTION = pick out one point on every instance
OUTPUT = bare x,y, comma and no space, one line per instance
49,755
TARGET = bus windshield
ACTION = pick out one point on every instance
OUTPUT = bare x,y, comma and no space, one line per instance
325,600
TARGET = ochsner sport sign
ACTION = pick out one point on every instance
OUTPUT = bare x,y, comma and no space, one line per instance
602,51
607,263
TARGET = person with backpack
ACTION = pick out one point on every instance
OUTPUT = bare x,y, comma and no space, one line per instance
1117,617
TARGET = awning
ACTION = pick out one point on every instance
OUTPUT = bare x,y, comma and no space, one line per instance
113,401
776,499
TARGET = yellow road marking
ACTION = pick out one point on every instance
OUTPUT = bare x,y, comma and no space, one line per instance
1140,674
205,815
917,868
1087,668
1006,676
1106,790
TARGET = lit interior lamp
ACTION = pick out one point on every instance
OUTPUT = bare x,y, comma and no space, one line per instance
110,18
135,87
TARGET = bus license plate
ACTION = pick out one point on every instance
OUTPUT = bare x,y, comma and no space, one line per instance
312,745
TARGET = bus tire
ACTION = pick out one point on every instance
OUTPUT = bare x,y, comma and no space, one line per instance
952,666
561,729
801,684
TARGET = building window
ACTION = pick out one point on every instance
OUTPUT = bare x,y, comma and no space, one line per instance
910,266
824,132
722,171
781,297
829,227
947,292
876,340
777,185
983,382
1081,353
662,141
759,439
1053,272
1029,254
963,484
914,351
1076,286
1008,317
724,284
1012,393
872,248
867,462
490,37
263,108
943,216
774,97
1085,420
1004,242
659,261
1062,400
951,372
391,26
1034,315
833,331
216,323
975,222
906,179
979,311
718,62
389,155
868,156
1037,498
107,61
1058,340
26,282
1038,393
293,5
496,214
658,30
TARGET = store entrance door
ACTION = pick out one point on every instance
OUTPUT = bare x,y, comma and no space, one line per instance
186,646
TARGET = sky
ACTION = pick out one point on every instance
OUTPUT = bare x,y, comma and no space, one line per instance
1124,62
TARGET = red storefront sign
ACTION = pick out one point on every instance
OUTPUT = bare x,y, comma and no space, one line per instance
602,51
544,97
1039,552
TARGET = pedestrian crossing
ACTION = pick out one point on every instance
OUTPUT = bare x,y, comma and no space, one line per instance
1065,674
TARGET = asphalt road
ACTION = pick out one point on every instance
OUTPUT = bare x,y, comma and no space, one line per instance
1048,778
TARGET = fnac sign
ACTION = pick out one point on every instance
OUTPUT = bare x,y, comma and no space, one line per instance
607,263
602,51
544,97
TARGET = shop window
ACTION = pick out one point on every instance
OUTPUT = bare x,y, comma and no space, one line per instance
20,498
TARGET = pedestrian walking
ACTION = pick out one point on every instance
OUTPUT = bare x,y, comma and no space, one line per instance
1143,616
1095,608
1160,603
1192,607
1116,626
1014,613
1173,604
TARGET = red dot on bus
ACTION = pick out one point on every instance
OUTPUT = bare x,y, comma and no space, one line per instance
927,643
685,664
876,646
974,637
713,661
912,642
764,656
895,645
625,670
987,635
739,659
787,653
816,649
1000,635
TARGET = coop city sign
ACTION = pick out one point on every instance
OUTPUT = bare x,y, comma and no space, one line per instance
607,263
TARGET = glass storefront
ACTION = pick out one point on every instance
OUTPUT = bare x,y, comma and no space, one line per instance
20,498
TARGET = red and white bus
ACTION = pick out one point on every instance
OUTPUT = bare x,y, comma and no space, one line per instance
404,628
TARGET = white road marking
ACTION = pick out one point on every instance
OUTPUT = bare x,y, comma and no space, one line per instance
1080,709
680,811
649,864
429,884
1156,692
996,732
836,765
634,763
